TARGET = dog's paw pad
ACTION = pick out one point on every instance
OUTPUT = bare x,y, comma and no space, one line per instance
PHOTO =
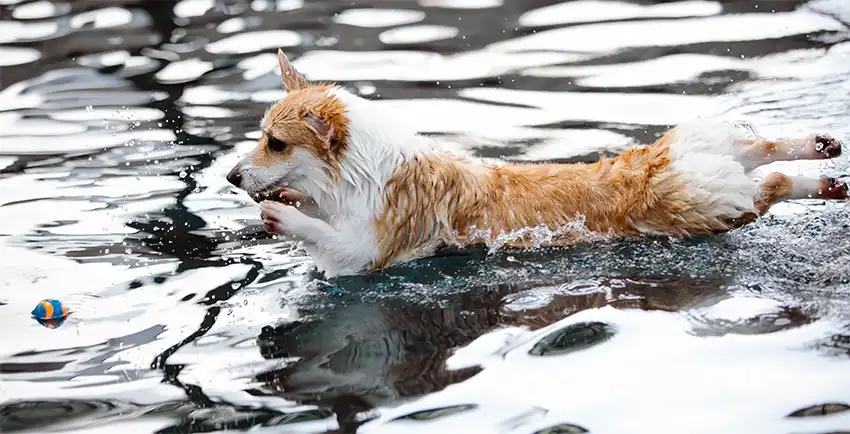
834,188
827,146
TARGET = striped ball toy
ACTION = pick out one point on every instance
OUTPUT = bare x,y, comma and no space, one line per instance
50,309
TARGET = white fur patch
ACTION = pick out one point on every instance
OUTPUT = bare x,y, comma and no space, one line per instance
704,154
379,143
804,187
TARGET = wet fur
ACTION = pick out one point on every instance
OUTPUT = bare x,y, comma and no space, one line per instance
381,193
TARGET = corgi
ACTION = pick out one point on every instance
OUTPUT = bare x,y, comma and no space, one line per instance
361,190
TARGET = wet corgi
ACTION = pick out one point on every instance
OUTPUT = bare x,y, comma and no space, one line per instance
374,192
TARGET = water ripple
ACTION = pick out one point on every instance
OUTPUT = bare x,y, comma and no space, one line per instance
119,121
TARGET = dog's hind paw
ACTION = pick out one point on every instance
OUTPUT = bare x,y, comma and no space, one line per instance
834,188
826,146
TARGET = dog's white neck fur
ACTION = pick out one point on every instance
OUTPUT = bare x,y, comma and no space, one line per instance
378,144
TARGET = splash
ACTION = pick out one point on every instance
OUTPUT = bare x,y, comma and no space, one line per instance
748,129
534,237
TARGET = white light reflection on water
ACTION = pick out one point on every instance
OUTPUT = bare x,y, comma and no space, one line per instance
119,122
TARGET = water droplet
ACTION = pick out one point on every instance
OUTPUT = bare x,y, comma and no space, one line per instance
182,174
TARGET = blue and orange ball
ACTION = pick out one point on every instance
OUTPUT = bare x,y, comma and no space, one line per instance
50,313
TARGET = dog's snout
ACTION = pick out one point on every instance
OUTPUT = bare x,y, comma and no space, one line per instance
235,177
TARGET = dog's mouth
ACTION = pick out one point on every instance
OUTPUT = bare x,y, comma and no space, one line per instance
272,195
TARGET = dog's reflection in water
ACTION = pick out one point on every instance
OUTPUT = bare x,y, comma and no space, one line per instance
353,358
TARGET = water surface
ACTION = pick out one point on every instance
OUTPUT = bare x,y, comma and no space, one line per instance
119,120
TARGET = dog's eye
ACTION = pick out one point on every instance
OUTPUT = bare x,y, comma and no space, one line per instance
276,145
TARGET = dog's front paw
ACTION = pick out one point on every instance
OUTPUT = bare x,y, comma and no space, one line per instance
279,218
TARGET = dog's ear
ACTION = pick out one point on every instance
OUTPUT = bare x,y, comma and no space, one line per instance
292,79
323,129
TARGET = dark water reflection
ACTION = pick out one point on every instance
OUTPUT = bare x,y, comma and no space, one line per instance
119,119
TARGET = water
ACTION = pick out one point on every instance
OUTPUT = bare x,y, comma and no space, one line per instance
119,120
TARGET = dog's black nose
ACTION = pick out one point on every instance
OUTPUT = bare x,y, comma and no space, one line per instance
235,177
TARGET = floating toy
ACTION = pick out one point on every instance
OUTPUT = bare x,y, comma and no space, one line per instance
50,313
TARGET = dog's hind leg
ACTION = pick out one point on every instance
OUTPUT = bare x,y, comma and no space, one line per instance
754,153
777,187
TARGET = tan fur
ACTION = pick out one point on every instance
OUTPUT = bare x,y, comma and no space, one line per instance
290,122
307,117
774,187
626,195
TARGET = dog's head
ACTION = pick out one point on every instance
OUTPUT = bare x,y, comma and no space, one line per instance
303,138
